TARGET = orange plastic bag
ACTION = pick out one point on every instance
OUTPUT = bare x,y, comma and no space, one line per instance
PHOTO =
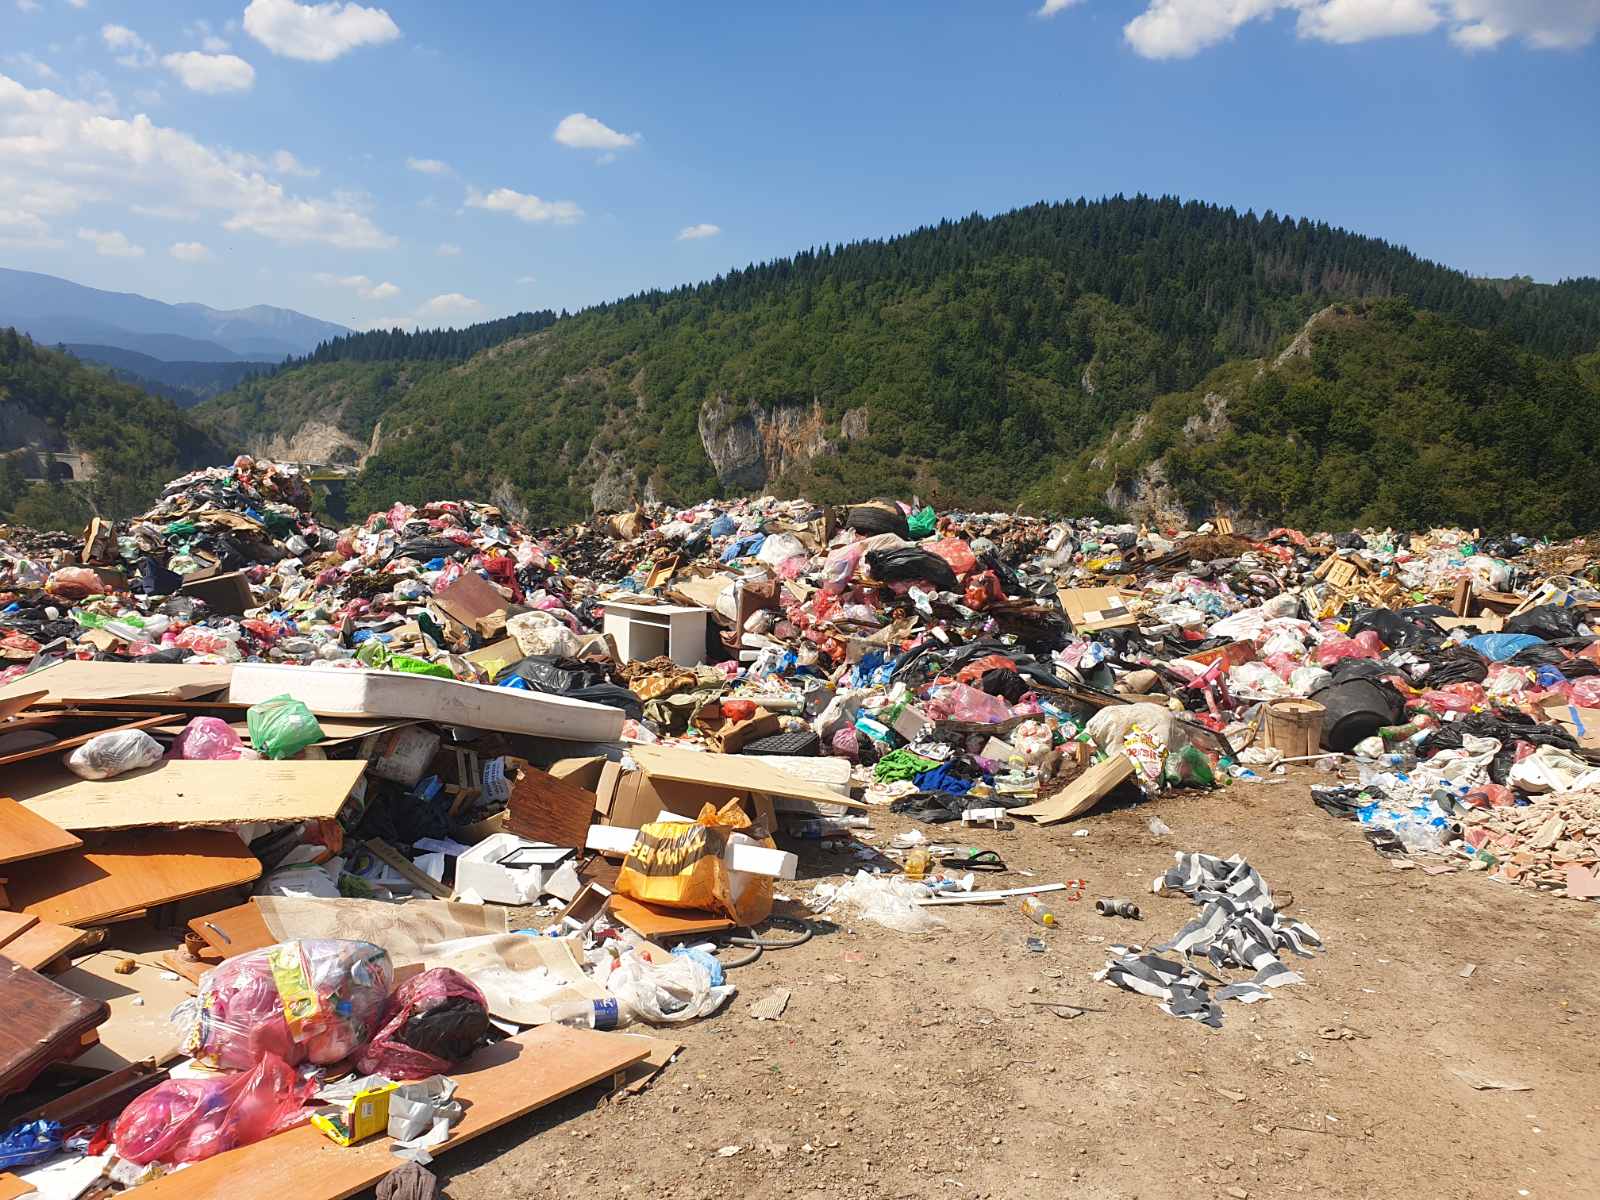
677,864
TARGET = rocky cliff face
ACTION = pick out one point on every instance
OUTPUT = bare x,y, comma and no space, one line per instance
750,446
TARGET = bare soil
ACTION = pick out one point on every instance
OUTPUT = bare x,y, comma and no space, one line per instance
919,1066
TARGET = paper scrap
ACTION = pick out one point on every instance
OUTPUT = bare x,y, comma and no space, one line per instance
770,1007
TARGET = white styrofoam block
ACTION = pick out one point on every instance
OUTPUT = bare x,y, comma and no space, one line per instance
337,691
478,870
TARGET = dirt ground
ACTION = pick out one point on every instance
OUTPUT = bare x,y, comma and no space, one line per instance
917,1066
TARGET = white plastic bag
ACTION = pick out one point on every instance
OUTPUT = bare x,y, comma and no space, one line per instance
666,993
112,754
540,633
887,900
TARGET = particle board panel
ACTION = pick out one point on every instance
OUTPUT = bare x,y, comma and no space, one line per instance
139,1003
734,772
75,680
44,943
44,1023
499,1083
236,930
118,873
24,834
543,808
14,923
189,792
652,921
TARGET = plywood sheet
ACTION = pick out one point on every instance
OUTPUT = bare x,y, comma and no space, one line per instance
652,921
116,873
498,1084
543,808
14,923
44,1023
45,942
24,834
183,792
117,681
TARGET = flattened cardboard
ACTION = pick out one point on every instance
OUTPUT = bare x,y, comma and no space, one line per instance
1093,609
1582,723
1082,794
121,681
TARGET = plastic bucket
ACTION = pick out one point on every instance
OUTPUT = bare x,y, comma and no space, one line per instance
1294,727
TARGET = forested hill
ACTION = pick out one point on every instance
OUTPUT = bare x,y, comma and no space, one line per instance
972,361
137,442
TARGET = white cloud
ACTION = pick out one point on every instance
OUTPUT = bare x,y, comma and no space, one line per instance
147,97
449,304
359,284
131,49
190,252
1182,28
28,6
526,279
22,229
287,164
583,132
69,153
316,32
110,242
429,166
1051,7
78,3
694,233
448,250
39,67
211,73
524,207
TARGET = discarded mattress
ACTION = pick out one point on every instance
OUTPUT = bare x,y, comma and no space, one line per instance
346,692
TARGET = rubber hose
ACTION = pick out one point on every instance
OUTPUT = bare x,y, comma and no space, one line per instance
800,927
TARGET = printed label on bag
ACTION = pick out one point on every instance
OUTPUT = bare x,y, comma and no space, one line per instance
300,1003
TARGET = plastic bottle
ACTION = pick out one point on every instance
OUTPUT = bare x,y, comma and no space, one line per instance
1033,908
917,863
588,1014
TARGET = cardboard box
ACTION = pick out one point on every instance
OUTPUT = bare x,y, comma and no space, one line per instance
1582,723
1093,609
728,736
226,593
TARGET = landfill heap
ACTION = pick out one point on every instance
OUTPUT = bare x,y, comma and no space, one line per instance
358,807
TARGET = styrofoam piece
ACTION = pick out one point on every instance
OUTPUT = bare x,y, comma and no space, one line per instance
480,869
743,854
334,691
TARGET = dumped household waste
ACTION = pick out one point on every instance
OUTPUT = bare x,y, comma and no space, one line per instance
412,807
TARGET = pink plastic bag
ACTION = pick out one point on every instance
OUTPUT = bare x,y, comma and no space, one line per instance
313,1001
955,552
1366,644
186,1120
1585,692
963,703
209,738
74,583
432,1022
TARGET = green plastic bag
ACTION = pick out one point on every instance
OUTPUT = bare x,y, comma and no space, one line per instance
1189,767
281,727
419,666
921,522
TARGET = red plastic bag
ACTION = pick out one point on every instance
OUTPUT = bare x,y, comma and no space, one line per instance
955,552
983,589
973,672
432,1022
1366,644
185,1120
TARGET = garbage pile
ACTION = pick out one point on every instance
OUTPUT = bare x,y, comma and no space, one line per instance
373,812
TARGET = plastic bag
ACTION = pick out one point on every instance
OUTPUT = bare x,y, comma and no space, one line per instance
1364,645
682,865
431,1023
887,900
841,565
955,552
317,1000
74,583
186,1120
29,1143
910,565
281,727
540,633
208,738
112,754
921,522
963,703
665,993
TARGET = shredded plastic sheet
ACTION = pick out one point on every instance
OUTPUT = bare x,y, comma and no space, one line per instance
888,900
1238,927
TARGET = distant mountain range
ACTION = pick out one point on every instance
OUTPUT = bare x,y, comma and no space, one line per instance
54,311
184,383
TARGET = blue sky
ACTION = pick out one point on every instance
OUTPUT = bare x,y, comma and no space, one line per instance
444,163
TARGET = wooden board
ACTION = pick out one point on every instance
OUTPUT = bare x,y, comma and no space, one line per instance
117,873
44,1023
24,834
43,944
13,704
407,870
72,743
653,921
1082,794
11,1187
236,930
499,1083
184,792
732,771
13,923
75,680
543,808
140,1003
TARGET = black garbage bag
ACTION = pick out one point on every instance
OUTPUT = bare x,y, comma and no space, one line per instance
1453,664
911,564
426,549
612,696
1005,683
1548,621
880,516
1395,628
551,673
1349,541
150,578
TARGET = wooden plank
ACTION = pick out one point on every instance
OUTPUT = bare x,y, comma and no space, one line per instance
46,942
185,792
99,1100
72,743
117,873
1082,794
652,921
11,1188
73,680
24,834
498,1084
236,930
12,705
408,870
44,1023
12,924
543,808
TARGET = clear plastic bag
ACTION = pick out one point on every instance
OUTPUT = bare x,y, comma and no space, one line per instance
432,1022
665,993
186,1120
281,727
890,901
209,738
313,1001
113,754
